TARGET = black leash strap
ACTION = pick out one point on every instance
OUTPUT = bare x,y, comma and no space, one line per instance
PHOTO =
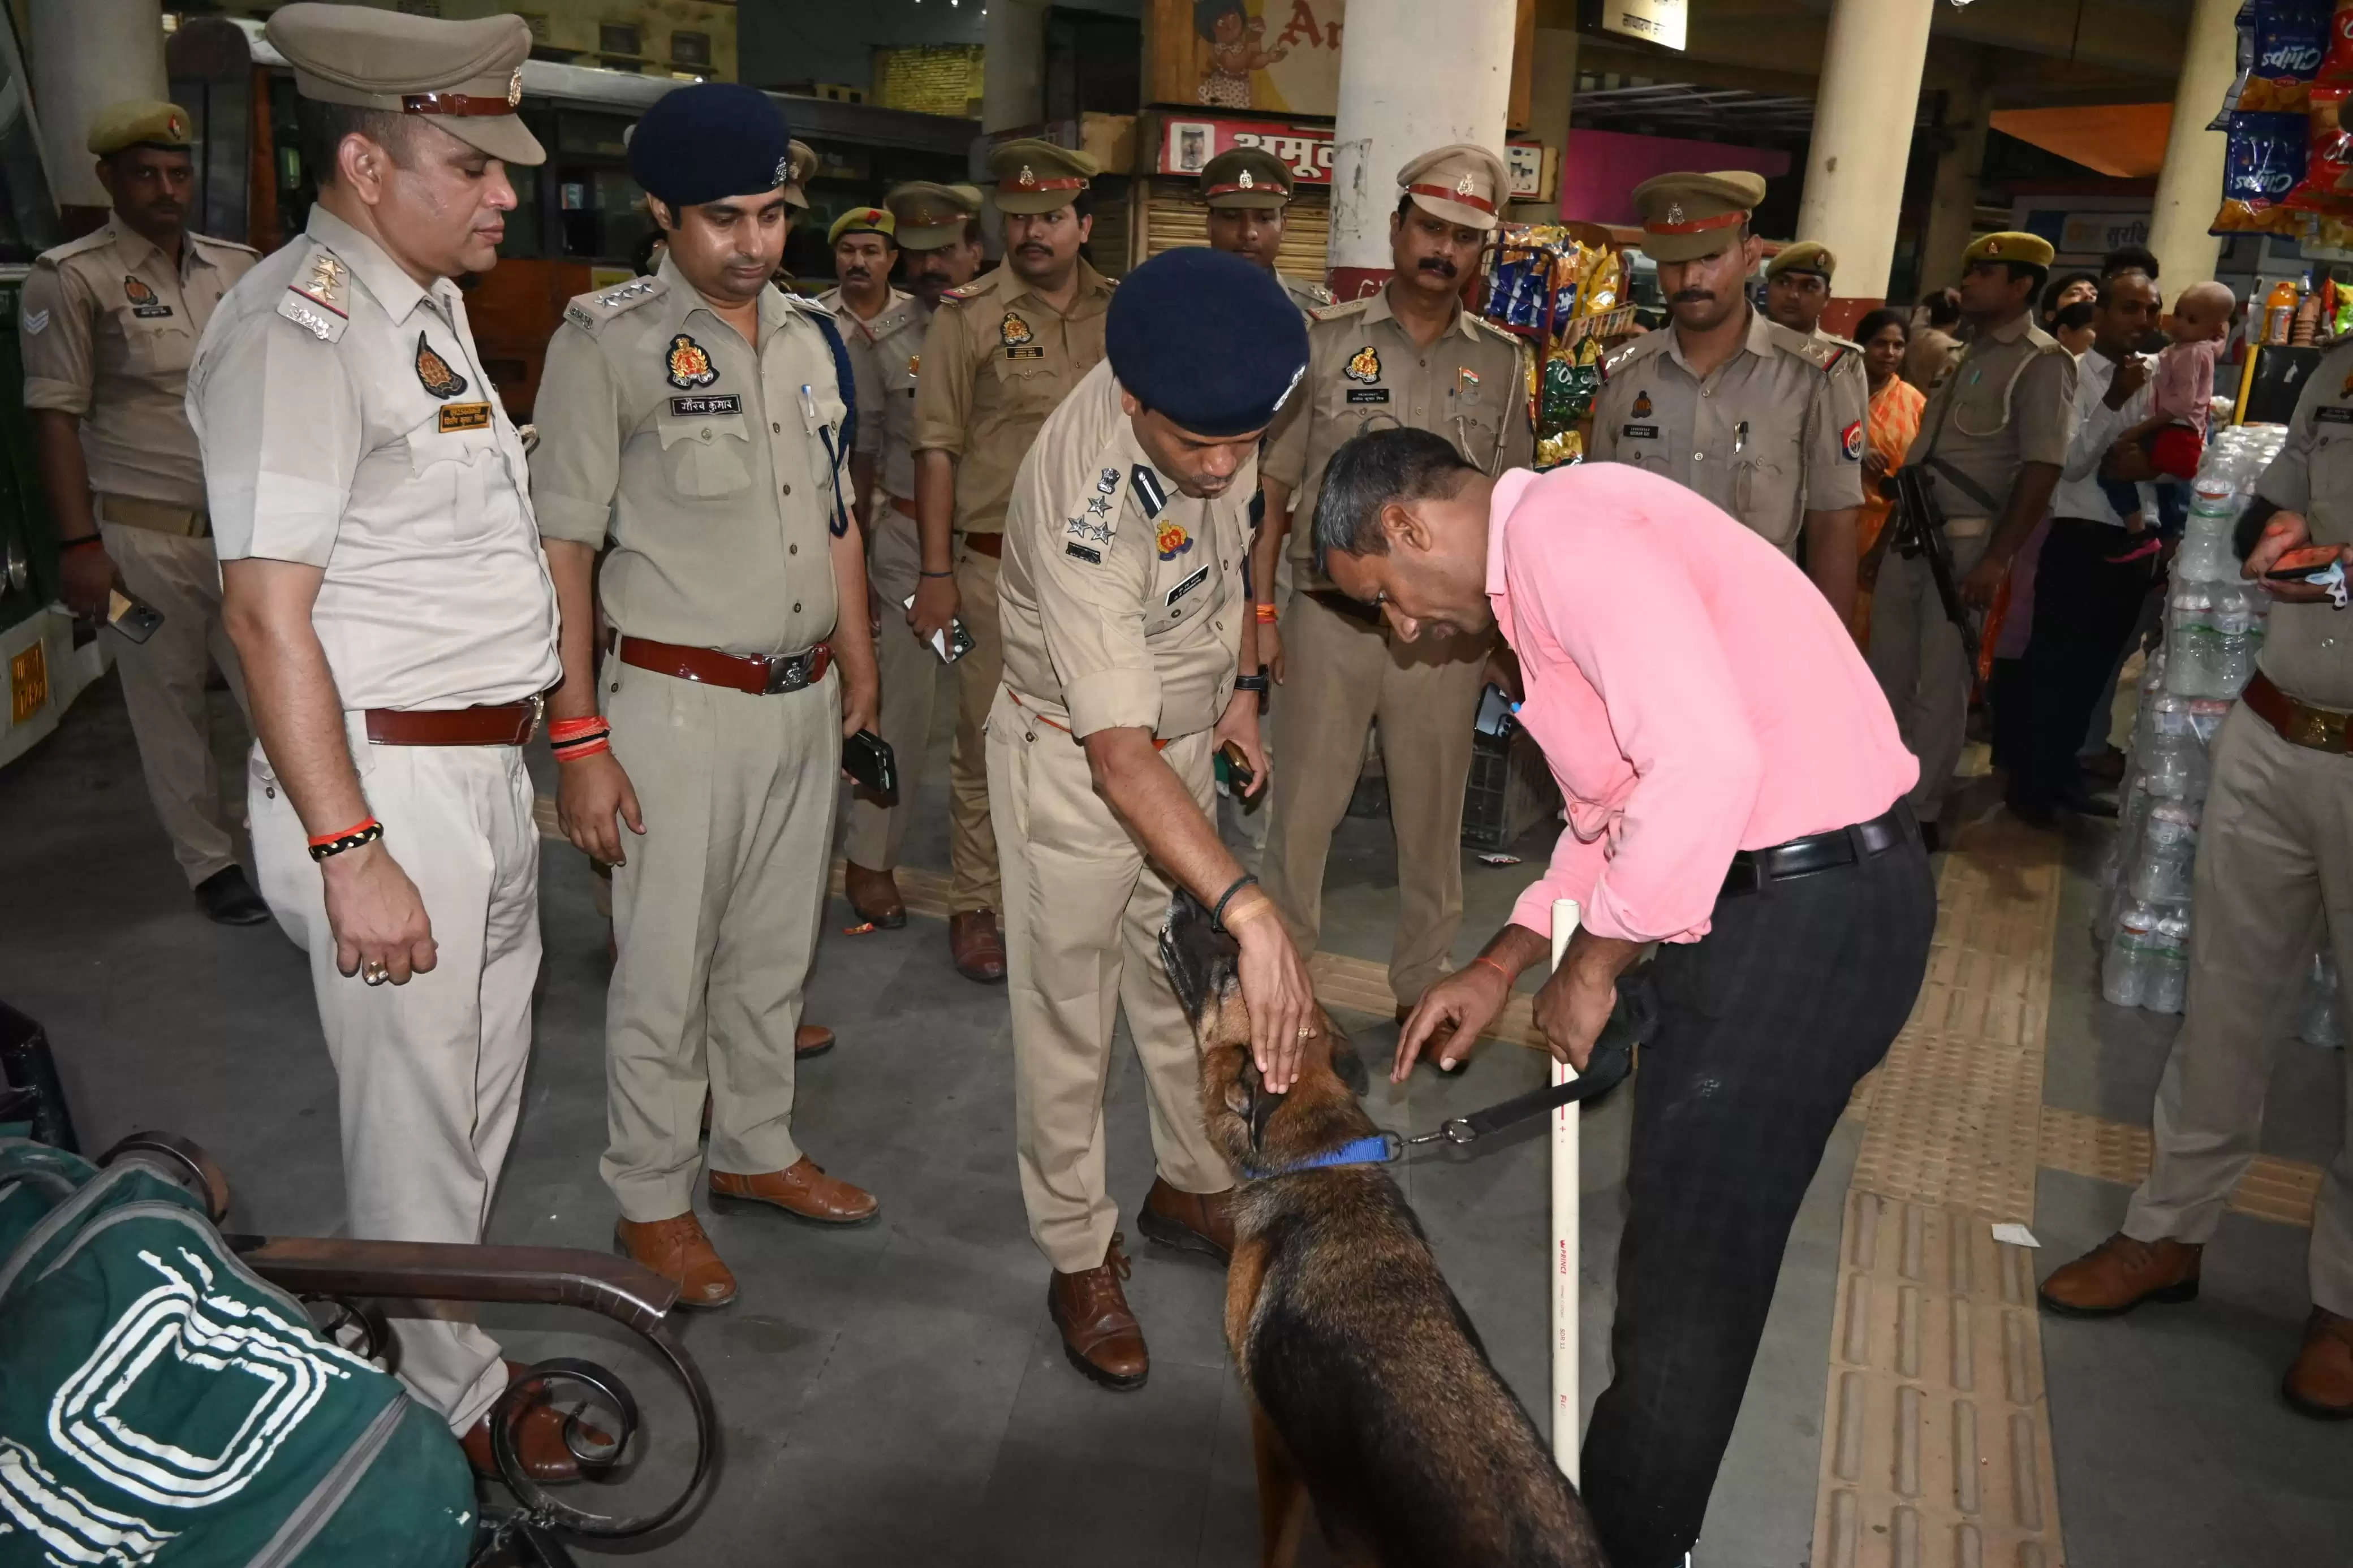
1605,1070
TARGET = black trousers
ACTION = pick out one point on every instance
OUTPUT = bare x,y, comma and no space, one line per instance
2086,606
1764,1026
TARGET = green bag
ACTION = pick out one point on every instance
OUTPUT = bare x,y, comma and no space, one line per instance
159,1404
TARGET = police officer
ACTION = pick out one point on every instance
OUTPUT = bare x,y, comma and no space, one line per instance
1000,355
939,237
1407,355
882,328
2275,876
1248,191
1796,294
1125,626
382,577
1763,419
108,324
1992,442
695,420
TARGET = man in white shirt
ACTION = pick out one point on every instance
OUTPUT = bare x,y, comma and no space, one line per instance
2092,575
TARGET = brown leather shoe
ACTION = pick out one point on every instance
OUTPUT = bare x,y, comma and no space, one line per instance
1099,1333
802,1191
874,895
1438,1036
2320,1384
678,1250
538,1441
1195,1222
976,946
811,1040
2120,1274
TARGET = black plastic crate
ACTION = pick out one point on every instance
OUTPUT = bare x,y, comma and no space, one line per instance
1510,790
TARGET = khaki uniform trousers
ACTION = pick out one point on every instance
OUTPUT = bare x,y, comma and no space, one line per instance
2274,881
1917,654
163,687
975,883
1082,917
428,1074
911,676
715,913
1341,674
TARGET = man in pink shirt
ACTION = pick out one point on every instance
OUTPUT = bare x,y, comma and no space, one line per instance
1734,787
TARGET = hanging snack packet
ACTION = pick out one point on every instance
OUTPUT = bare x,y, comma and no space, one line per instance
2291,39
2337,62
2243,25
2328,156
2266,161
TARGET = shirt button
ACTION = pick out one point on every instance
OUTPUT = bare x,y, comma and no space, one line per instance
1699,457
792,550
705,434
797,608
778,428
788,490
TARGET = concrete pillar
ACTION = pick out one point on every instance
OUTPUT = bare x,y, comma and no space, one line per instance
1414,76
1953,201
1871,60
88,54
2190,185
1552,85
1013,65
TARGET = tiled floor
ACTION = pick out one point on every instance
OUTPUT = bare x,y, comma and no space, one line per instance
894,1394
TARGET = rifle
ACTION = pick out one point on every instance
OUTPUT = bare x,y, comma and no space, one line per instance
1917,528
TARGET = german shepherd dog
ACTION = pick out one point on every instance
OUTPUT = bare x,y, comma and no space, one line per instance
1369,1391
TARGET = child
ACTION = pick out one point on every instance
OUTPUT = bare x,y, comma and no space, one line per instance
2181,395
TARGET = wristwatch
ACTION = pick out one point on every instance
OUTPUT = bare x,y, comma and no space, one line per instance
1258,683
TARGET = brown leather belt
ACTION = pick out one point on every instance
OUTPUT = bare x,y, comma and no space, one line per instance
990,545
155,516
508,724
2298,723
759,674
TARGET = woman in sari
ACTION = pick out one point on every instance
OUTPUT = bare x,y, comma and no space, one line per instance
1894,421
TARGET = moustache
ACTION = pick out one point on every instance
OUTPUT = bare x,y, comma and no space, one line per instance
1437,264
1035,250
1690,297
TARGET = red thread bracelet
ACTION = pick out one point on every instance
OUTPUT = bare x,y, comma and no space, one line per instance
1265,614
573,739
321,840
1498,968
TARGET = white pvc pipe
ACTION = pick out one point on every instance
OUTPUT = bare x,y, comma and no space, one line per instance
1566,1433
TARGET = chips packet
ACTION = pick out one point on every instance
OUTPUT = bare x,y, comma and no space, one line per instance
2290,40
2266,160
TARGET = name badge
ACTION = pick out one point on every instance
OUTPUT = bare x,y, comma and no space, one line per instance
1638,432
1368,394
1080,552
465,416
2333,415
707,404
1199,576
149,312
1034,352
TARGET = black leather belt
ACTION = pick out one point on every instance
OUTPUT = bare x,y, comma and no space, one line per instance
1752,869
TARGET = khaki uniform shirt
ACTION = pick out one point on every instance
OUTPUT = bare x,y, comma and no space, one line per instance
2308,649
1120,601
346,423
2010,400
1364,372
1929,357
1773,430
706,460
883,356
109,327
996,359
1309,297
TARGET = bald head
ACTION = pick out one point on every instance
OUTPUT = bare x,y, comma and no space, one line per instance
2203,312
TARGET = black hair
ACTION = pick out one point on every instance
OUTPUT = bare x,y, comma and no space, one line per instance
2129,258
320,128
2108,283
1943,305
2059,285
2075,317
1879,321
1368,471
2035,275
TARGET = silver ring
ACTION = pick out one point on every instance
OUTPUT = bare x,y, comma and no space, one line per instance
376,974
1306,1031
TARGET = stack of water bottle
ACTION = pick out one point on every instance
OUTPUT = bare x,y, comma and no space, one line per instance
2214,630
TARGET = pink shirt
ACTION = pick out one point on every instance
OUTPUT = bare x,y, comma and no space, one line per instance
2183,385
1692,692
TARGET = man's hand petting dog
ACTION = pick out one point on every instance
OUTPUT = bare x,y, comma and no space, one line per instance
1280,998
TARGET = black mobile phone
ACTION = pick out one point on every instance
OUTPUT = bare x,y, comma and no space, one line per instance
1239,773
866,757
128,616
951,643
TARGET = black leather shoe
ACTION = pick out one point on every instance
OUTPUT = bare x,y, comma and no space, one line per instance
2084,803
227,897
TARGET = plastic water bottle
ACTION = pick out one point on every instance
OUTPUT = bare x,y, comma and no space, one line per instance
2165,871
2168,963
2205,553
2320,1026
2124,975
2237,638
2189,641
2173,761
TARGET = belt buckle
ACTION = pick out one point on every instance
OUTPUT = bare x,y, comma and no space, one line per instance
2319,728
787,674
538,711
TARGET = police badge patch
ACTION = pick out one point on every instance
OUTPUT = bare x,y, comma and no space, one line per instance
1642,409
434,371
1364,364
1850,441
688,365
1013,332
1173,540
143,302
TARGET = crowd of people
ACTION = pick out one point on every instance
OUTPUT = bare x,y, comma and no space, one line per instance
757,533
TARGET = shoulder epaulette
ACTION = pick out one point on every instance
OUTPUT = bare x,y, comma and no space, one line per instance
1821,356
212,242
319,297
1315,294
1343,310
93,240
1483,324
972,290
1625,354
590,313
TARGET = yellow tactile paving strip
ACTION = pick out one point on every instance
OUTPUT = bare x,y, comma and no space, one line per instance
1935,1432
2273,1189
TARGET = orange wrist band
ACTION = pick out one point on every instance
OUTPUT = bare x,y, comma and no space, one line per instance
1265,614
1498,968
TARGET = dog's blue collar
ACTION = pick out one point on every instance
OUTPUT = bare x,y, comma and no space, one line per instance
1378,1149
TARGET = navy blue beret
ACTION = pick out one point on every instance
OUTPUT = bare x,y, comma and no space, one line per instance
709,141
1210,339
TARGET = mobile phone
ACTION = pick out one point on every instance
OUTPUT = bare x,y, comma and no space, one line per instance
2302,561
953,643
867,757
1239,773
130,616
